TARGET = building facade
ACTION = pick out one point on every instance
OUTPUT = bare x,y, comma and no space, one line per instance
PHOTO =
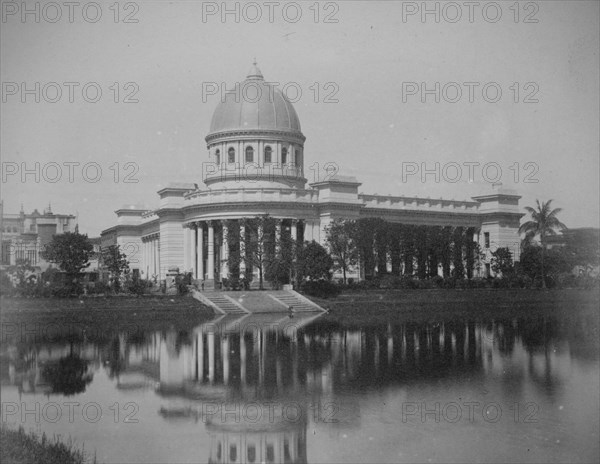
256,166
24,236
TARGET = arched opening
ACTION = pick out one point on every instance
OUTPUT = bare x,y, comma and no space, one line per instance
218,156
268,153
231,155
249,155
284,155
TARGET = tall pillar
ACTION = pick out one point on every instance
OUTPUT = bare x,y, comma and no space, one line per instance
225,252
186,249
242,249
294,230
278,235
199,251
211,250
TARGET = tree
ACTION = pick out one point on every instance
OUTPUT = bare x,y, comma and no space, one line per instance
22,275
314,262
502,262
258,243
116,263
556,262
543,223
72,252
340,239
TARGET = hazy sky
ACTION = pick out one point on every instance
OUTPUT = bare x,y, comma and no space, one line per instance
375,131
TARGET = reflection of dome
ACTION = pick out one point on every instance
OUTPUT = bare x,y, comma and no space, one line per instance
255,105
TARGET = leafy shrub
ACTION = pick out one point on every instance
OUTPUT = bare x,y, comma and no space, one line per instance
320,288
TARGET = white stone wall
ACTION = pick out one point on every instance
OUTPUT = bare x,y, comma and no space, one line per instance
171,246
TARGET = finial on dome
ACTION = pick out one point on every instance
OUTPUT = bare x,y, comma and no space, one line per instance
254,72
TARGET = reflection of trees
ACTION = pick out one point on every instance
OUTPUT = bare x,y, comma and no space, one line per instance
69,375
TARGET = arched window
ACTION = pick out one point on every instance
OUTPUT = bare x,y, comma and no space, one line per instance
297,158
218,156
251,453
249,155
283,155
231,155
268,152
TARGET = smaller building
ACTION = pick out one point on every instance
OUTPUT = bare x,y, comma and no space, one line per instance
24,235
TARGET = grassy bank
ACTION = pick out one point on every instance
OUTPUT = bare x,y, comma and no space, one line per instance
102,315
362,306
19,447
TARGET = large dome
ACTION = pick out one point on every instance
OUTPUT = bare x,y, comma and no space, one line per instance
255,105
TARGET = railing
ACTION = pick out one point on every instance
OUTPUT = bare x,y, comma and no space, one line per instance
252,194
376,201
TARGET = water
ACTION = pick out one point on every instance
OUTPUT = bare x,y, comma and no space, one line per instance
312,389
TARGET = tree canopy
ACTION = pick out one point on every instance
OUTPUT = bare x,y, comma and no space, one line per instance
71,251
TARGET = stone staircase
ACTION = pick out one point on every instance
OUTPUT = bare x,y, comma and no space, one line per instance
220,302
297,302
268,301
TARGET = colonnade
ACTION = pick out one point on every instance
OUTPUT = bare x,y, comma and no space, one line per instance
206,250
151,255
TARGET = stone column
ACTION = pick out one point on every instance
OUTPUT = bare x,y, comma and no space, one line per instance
294,230
211,250
186,249
242,249
278,236
225,252
199,251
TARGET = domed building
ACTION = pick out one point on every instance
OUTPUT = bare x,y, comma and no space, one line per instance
255,167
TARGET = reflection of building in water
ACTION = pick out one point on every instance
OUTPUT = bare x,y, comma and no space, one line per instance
276,446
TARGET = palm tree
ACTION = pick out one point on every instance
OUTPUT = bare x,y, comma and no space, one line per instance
543,223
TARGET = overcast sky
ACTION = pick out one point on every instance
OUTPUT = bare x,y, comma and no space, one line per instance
375,131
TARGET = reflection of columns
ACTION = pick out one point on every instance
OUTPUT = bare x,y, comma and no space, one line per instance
211,356
200,341
199,251
225,359
242,360
390,345
261,358
211,250
278,376
225,252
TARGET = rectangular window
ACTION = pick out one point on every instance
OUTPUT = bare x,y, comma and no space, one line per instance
486,238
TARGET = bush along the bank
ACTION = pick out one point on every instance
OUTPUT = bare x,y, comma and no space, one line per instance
320,288
565,280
